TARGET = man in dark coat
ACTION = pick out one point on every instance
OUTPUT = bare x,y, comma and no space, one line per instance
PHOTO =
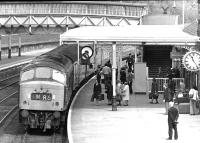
154,91
172,87
109,92
129,61
172,121
96,92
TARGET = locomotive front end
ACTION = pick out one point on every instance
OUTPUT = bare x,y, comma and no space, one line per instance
42,97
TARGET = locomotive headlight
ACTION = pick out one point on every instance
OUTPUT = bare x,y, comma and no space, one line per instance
53,97
29,96
24,113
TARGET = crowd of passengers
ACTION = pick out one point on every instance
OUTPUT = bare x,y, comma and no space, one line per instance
124,87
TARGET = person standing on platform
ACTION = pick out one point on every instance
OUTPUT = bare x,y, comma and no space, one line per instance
119,92
96,92
181,89
98,74
109,92
193,95
154,91
130,77
173,115
129,61
172,87
106,73
166,97
123,75
125,94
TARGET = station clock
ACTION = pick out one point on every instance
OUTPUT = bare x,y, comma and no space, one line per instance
191,61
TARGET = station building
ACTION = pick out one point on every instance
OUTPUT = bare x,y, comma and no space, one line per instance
153,46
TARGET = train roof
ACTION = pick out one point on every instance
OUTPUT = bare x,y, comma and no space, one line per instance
62,53
56,58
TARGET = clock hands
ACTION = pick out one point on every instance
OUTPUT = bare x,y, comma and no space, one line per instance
194,61
191,60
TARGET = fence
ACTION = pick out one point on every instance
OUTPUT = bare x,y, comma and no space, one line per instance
162,81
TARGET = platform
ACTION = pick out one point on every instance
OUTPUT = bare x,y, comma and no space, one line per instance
6,62
140,122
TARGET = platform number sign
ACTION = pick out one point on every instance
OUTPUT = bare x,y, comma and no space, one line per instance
86,53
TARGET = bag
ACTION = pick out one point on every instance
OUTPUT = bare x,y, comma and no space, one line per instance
150,95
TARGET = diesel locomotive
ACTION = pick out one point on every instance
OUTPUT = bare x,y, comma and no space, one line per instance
46,86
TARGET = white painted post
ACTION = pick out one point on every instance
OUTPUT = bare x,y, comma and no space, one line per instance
136,54
114,67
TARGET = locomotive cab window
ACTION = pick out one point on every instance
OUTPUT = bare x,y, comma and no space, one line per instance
58,76
27,75
43,72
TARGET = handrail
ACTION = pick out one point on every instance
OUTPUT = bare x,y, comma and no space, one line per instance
81,11
161,82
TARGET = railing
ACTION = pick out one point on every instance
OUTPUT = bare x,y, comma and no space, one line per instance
162,81
79,11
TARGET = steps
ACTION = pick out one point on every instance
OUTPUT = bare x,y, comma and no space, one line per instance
155,57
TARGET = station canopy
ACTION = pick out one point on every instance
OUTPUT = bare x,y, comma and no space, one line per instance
146,34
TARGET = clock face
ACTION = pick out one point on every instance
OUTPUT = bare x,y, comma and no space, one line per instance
191,61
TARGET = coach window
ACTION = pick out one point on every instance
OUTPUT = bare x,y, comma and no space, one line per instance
43,73
27,75
58,76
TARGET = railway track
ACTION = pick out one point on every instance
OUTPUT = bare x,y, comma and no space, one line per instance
41,138
8,97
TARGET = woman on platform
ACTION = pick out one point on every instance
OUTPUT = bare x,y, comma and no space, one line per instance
126,94
193,95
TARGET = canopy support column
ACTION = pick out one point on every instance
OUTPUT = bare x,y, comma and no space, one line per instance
135,54
114,67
